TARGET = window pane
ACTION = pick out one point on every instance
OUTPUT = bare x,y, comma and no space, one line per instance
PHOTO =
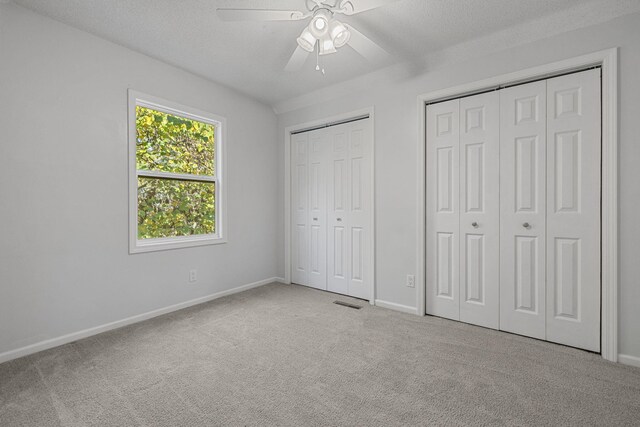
169,143
168,208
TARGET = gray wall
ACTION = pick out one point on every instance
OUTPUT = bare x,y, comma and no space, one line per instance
64,262
396,130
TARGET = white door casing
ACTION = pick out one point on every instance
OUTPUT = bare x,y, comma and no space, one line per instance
443,215
479,209
573,209
523,209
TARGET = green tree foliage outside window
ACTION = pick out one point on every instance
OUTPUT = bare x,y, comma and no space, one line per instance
172,144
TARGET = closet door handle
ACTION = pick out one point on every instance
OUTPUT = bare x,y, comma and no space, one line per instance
526,225
315,218
338,219
474,224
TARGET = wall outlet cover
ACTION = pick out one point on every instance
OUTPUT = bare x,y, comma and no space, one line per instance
411,281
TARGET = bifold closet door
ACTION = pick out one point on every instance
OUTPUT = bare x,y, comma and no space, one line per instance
317,209
550,203
309,218
513,209
350,203
480,209
573,209
443,214
523,148
300,209
463,209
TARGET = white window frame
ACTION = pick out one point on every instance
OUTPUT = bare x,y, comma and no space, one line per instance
148,245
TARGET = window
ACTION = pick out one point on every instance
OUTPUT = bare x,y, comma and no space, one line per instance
175,184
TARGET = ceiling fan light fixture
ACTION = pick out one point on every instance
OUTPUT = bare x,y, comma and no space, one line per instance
339,33
319,25
326,46
306,40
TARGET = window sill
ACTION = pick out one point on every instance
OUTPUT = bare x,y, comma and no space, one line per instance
154,245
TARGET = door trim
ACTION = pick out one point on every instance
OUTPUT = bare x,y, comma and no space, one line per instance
608,60
288,131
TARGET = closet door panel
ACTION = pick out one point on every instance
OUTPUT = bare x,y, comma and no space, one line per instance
337,217
350,257
360,208
443,198
300,209
523,209
317,219
479,209
573,209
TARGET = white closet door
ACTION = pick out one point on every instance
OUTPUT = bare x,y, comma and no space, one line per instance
300,209
317,209
350,231
573,209
360,208
443,216
523,209
480,209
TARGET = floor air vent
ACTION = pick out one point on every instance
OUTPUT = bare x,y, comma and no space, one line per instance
346,304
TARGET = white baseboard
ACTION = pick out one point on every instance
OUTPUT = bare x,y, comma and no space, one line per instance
629,360
396,307
65,339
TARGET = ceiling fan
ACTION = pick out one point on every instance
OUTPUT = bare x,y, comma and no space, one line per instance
324,34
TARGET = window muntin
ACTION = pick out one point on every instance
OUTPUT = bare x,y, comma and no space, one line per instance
176,164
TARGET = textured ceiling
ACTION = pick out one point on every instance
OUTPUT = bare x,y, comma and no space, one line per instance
250,56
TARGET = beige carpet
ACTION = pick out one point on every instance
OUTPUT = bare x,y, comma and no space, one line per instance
285,355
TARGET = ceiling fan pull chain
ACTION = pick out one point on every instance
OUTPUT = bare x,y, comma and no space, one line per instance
318,58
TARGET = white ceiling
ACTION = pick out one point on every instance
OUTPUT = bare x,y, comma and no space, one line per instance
250,56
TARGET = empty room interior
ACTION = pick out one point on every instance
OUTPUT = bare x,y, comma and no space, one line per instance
319,212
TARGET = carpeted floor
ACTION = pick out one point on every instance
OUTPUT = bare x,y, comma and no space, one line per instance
285,355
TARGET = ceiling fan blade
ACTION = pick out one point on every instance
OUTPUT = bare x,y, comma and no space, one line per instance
259,15
297,60
366,47
351,7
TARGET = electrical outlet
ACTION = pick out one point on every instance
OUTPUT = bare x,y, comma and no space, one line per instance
193,276
411,281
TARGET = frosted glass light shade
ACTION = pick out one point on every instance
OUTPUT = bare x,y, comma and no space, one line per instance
306,40
339,33
326,46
